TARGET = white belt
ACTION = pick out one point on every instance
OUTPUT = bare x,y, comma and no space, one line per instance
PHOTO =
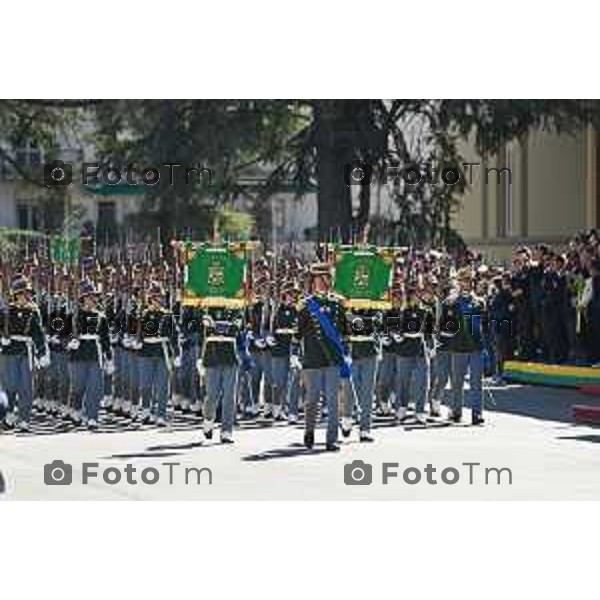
220,338
361,338
447,334
284,331
89,336
413,335
21,338
154,340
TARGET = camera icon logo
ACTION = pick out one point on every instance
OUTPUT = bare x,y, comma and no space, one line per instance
358,472
358,173
58,173
58,472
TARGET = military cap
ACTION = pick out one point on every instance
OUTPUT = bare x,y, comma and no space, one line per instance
87,288
21,285
320,268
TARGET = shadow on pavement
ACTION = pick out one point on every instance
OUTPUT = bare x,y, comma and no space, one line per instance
547,403
291,451
187,446
142,455
586,437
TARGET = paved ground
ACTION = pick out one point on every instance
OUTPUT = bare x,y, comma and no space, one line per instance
529,431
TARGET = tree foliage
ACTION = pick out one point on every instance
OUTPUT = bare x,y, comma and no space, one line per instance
254,146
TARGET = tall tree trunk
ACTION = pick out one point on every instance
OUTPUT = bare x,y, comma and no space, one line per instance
334,200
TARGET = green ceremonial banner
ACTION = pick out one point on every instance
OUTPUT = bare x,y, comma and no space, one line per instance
65,250
363,278
215,276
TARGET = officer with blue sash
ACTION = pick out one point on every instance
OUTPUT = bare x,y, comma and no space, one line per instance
325,357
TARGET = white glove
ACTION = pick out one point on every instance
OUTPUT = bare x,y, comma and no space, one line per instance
348,360
73,344
199,365
6,341
136,345
177,362
54,340
295,362
109,367
208,321
126,341
44,361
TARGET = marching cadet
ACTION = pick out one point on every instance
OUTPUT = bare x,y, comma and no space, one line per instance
116,317
23,347
412,354
223,328
58,331
324,357
386,371
260,342
440,356
89,356
285,323
463,312
130,343
362,327
158,354
190,340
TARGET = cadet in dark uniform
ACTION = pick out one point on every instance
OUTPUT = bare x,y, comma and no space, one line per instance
190,340
131,345
502,323
58,331
554,311
158,354
285,330
90,354
260,368
362,329
23,347
412,356
463,311
223,328
321,360
386,371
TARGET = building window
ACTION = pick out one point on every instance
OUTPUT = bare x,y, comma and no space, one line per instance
6,169
509,197
506,194
28,156
28,215
107,221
